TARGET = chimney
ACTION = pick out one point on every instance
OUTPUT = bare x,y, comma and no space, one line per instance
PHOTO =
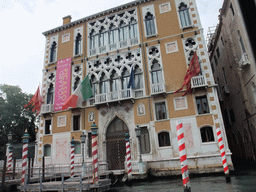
67,19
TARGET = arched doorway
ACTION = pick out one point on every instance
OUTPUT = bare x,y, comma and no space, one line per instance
116,148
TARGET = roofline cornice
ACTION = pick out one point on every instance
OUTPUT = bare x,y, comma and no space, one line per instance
94,16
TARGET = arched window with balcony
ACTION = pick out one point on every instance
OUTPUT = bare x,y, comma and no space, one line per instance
184,15
133,29
53,52
125,81
114,87
103,87
123,31
150,24
78,44
50,93
93,42
138,80
94,85
156,73
113,36
103,39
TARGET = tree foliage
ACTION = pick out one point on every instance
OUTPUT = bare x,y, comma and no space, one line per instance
13,117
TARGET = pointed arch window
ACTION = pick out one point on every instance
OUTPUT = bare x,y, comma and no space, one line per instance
133,29
113,34
123,31
78,44
138,78
93,42
150,24
50,94
94,85
114,85
53,52
103,38
184,15
156,73
76,83
125,78
103,84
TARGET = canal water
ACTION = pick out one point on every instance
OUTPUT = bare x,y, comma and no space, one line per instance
240,182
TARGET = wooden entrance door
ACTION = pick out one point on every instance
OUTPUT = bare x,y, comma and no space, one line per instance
116,148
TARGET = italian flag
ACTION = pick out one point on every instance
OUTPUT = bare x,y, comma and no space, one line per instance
82,92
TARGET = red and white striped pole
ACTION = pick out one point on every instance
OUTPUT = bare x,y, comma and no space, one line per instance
94,130
183,156
9,166
72,157
24,156
223,155
128,154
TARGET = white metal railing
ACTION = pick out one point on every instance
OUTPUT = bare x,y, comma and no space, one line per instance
198,81
114,46
46,108
101,98
138,92
158,88
114,96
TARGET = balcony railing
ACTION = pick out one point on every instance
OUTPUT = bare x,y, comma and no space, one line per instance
114,46
158,88
114,96
47,108
198,81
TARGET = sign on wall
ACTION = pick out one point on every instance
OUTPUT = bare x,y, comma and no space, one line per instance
62,85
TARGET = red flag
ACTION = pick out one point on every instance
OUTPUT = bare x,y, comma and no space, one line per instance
193,70
36,101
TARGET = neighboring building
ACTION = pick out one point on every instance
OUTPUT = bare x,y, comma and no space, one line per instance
157,40
232,54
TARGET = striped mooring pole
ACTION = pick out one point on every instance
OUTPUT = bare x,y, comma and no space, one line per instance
94,132
72,156
9,166
183,156
24,156
223,155
128,154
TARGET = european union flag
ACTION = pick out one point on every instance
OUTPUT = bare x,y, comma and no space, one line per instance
131,81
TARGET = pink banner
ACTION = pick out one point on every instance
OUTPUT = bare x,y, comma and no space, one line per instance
62,85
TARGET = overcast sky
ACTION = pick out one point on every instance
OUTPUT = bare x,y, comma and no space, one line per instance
23,21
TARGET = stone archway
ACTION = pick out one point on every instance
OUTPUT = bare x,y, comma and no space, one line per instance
115,140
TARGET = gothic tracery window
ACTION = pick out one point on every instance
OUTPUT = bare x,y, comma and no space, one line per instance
184,15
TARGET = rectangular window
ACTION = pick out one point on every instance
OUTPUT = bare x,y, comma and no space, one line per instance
48,127
202,105
224,75
222,41
215,60
218,52
160,109
232,9
212,67
144,141
164,139
76,122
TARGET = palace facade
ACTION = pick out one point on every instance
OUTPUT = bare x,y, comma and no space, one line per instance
155,41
